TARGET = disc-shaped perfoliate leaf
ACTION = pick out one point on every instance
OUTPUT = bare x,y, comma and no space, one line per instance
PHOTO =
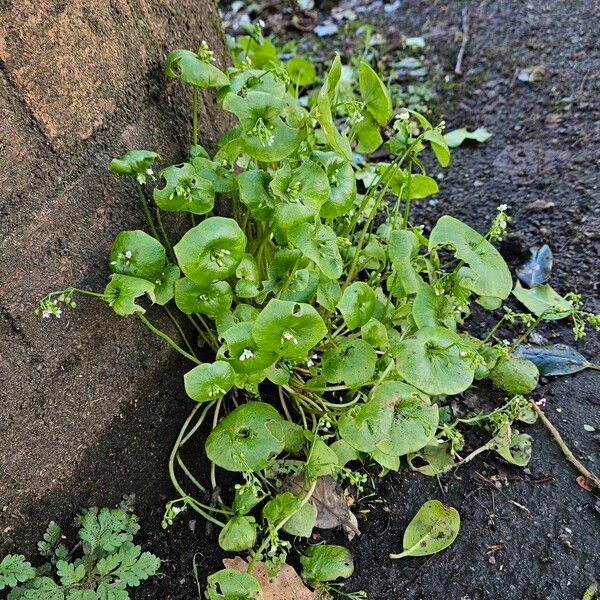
352,363
211,251
434,360
365,426
439,146
231,584
433,528
164,284
290,329
318,242
487,273
515,375
323,111
209,381
374,333
244,355
184,190
189,67
137,254
342,184
222,178
122,291
403,249
134,162
213,300
414,420
301,71
241,441
543,300
431,310
238,534
255,194
357,304
374,94
326,562
433,459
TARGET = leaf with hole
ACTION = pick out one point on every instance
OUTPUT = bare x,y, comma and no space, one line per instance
184,190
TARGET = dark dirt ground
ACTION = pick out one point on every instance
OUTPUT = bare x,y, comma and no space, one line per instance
526,534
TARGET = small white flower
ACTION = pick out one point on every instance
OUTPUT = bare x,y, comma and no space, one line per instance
128,254
502,207
149,172
403,115
246,354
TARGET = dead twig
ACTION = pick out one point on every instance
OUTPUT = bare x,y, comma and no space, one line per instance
565,449
466,17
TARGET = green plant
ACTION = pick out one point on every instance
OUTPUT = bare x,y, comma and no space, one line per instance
103,563
316,294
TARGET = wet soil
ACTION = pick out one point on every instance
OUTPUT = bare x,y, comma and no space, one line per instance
526,533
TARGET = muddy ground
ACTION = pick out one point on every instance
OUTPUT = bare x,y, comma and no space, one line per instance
526,533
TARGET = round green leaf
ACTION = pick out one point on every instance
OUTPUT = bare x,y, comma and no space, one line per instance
357,304
209,381
290,329
342,184
184,190
137,254
326,562
352,362
255,193
238,534
122,291
213,300
518,450
318,243
241,441
515,375
243,353
189,67
221,176
231,584
431,310
301,71
435,361
366,425
432,529
134,162
302,522
211,251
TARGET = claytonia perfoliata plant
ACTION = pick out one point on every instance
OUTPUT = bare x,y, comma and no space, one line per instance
332,330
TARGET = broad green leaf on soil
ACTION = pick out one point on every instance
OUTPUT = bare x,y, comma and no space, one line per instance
518,450
301,71
189,67
241,441
326,562
352,362
329,294
122,292
238,534
357,304
437,459
243,353
435,361
255,193
414,418
290,433
211,251
231,584
290,329
137,254
164,284
554,359
322,459
342,184
374,94
439,146
14,569
432,529
515,375
134,162
367,424
537,269
212,300
403,249
318,242
280,507
431,310
456,137
387,461
302,522
543,300
301,193
184,190
419,186
374,333
487,274
323,112
209,381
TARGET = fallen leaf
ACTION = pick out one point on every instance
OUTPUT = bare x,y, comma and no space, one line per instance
554,359
589,428
536,270
329,498
583,482
286,584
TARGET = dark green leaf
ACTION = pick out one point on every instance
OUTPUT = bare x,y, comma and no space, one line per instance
184,190
137,254
122,292
189,67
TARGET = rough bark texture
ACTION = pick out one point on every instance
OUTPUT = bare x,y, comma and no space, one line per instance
88,402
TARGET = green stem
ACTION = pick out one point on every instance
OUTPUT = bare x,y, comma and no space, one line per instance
180,330
165,235
146,210
195,115
166,338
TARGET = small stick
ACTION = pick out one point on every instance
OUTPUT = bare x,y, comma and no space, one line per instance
465,40
565,449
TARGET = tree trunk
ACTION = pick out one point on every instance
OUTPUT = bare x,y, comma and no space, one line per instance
90,403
